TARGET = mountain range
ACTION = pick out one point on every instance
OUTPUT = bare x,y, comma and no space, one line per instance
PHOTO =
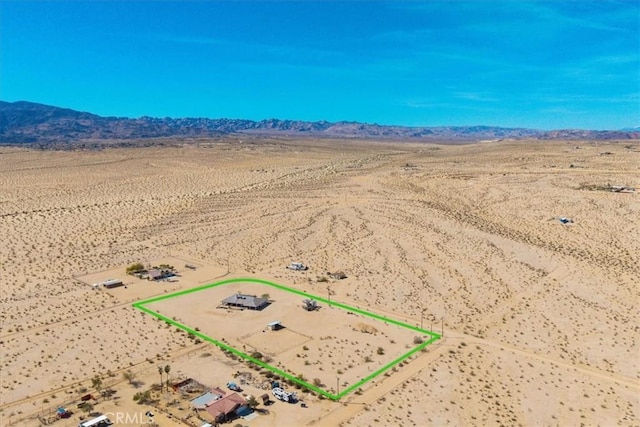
25,122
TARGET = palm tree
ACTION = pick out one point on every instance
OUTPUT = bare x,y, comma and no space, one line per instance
167,369
160,372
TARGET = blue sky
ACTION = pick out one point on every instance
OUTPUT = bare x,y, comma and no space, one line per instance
547,65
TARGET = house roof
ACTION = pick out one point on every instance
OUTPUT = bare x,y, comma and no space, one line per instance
250,301
206,399
226,405
95,421
155,273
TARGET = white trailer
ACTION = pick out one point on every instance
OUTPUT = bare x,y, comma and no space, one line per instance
285,396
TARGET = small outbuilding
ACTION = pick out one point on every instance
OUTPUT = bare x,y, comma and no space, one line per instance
310,304
338,275
275,325
112,283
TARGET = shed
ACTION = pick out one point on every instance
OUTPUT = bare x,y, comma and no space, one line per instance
338,275
275,325
112,283
310,304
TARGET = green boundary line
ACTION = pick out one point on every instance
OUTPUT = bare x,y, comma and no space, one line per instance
140,305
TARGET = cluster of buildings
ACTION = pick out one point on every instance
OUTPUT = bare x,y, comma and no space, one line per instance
155,274
218,404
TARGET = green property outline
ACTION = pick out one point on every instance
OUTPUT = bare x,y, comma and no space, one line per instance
140,305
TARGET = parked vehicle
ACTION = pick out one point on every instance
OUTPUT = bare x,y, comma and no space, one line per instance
233,386
285,396
297,266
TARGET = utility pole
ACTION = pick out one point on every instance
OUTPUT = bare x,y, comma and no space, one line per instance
337,386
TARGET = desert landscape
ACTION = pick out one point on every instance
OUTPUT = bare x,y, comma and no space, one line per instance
518,252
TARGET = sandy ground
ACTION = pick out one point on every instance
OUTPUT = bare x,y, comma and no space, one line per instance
540,318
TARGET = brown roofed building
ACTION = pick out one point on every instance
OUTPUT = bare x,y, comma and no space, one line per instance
225,408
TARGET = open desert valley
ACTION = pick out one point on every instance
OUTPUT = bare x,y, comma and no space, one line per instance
516,261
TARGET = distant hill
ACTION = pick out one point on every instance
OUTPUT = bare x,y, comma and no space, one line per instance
30,123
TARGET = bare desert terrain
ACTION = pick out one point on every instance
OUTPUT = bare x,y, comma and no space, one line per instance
540,318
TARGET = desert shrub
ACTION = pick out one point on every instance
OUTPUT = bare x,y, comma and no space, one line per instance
86,407
142,397
252,402
134,267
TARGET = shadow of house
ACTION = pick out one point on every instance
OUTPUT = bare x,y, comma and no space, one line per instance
251,302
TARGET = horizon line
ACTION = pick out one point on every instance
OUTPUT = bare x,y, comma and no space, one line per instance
623,129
